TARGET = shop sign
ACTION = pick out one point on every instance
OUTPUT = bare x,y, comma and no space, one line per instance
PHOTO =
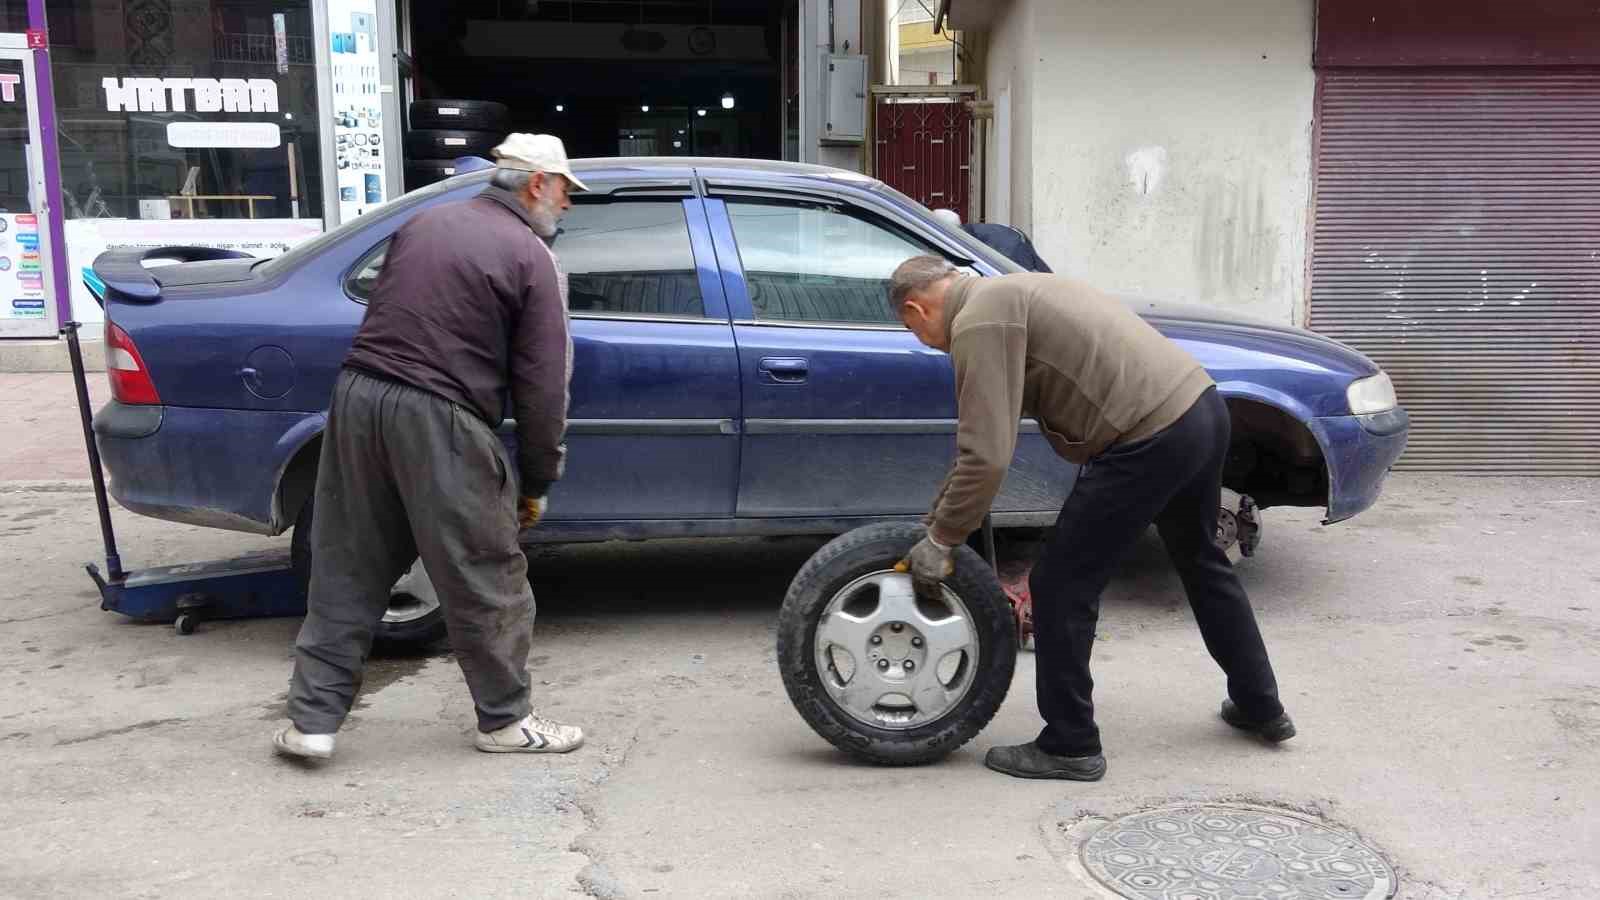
210,95
246,135
88,238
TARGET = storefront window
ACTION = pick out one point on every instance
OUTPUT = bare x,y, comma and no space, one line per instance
176,109
13,16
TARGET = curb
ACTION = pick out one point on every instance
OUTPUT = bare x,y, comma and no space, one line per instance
74,486
49,355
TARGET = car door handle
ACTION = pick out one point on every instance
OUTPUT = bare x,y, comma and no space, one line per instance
785,370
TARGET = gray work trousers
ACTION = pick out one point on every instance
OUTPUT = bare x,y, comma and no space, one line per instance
406,473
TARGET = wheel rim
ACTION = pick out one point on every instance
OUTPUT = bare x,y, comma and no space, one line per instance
892,660
412,598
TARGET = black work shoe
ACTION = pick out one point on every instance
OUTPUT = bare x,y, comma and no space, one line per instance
1028,761
1273,731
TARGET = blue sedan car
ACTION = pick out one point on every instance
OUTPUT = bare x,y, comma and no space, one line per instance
738,371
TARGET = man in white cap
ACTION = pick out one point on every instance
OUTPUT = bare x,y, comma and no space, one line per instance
468,322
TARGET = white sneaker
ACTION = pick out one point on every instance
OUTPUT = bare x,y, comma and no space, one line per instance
291,741
534,734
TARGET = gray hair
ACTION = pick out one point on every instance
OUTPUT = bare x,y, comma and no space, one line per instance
916,275
513,180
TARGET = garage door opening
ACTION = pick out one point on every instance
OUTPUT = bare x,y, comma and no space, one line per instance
609,77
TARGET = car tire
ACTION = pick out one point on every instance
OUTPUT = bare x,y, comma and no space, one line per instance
470,115
859,561
437,143
421,622
423,172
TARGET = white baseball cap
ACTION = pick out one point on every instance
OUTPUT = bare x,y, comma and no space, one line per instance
536,153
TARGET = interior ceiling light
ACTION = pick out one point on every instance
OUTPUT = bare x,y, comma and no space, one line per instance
727,101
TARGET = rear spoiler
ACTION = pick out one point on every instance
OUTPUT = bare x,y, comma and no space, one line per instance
122,272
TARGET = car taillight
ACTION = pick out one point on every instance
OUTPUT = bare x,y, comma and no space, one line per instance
130,378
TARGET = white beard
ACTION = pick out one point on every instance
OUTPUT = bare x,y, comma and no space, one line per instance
545,218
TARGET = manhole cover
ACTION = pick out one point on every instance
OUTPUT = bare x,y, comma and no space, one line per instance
1224,852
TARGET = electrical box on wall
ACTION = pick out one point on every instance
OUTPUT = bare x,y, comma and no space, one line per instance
844,93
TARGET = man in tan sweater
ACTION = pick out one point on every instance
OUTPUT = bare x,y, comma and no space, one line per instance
1146,424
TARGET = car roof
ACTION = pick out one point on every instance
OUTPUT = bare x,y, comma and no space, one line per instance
659,164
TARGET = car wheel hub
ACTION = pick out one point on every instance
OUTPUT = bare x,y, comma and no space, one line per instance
891,659
412,597
1227,528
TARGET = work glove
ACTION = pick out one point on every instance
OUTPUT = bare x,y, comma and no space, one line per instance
929,562
530,510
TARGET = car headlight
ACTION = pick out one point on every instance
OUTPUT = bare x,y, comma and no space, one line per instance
1371,395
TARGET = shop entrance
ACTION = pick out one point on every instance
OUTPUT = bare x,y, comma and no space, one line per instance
610,77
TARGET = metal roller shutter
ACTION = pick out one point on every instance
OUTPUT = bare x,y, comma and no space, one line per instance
1456,241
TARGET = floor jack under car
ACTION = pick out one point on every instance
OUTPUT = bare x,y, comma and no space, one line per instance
254,586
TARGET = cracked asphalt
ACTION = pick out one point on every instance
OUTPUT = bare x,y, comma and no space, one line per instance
1439,654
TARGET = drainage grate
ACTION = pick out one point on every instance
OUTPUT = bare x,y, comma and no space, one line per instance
1224,852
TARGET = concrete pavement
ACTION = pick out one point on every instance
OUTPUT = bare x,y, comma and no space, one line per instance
1438,654
39,418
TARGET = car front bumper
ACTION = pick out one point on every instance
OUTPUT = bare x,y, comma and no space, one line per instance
1359,451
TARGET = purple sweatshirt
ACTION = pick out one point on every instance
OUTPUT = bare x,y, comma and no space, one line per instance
470,307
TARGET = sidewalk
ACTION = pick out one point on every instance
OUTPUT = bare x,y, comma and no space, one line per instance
39,417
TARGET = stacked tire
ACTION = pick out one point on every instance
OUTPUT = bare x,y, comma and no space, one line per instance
443,131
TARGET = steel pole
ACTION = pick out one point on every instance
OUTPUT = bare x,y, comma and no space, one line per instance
50,156
81,382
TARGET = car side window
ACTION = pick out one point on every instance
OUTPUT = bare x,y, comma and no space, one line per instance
815,262
629,258
364,275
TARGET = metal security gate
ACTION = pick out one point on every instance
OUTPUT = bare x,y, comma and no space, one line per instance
922,145
1457,242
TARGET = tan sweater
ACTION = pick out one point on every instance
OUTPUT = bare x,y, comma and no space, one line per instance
1086,366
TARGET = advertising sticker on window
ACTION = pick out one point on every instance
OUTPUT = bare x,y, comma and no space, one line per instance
21,268
357,106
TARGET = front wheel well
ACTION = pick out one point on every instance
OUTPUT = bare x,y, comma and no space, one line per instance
1274,457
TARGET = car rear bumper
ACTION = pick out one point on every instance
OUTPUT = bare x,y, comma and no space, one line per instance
1359,450
213,467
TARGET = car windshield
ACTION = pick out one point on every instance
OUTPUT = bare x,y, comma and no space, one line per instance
309,250
978,249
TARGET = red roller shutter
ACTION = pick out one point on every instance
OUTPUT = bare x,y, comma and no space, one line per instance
1457,242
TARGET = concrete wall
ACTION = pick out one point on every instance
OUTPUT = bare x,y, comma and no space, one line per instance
1172,146
1009,70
